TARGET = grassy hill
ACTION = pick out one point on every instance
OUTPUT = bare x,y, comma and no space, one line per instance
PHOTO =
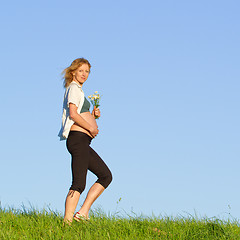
34,224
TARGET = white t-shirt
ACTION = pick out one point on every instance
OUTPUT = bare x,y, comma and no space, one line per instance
73,94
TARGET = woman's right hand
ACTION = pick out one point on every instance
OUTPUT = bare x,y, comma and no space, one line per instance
94,131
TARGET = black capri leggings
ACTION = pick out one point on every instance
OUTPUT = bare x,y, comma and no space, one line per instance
84,158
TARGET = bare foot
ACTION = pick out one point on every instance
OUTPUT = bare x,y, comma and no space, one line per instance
67,222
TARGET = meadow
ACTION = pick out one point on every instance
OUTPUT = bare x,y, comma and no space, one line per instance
47,224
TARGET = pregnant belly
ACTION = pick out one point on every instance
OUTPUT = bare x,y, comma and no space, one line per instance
87,116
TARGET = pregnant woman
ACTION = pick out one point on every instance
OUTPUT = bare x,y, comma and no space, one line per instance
79,127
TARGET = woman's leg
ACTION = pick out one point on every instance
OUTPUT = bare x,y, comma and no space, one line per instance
71,204
78,146
94,192
100,169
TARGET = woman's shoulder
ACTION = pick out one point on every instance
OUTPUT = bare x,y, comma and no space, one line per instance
74,89
73,84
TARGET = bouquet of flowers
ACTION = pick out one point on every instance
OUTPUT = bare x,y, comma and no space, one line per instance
95,98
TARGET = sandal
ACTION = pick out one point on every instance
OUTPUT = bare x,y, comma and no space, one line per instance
78,217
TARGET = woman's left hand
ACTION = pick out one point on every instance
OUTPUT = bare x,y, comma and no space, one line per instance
96,112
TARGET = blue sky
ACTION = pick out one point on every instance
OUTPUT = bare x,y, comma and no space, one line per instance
168,73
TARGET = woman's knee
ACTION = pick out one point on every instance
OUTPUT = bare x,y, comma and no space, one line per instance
78,187
106,179
109,177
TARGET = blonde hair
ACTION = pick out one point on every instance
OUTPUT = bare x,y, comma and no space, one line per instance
67,72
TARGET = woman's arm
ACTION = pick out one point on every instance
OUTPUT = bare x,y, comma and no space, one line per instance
80,121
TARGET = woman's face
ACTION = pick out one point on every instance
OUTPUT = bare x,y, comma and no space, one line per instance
80,75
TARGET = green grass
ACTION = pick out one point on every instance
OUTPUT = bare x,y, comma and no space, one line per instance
34,224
